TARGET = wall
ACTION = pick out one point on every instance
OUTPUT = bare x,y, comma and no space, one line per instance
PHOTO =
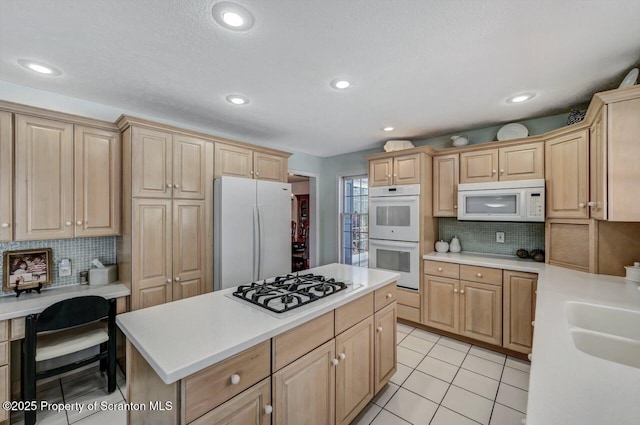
81,251
480,236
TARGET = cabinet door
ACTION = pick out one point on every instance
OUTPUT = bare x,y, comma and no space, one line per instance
269,167
522,162
440,303
151,253
481,311
6,177
44,179
4,390
380,172
233,161
571,243
354,373
97,182
189,259
406,169
189,167
247,408
479,166
446,169
519,310
598,166
304,391
385,345
152,163
567,171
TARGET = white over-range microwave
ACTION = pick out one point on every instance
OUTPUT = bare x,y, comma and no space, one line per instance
518,200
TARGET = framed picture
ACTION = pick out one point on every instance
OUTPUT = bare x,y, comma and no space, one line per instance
26,269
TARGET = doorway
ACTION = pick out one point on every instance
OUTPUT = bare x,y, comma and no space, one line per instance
301,219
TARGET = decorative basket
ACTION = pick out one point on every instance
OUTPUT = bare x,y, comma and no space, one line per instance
575,116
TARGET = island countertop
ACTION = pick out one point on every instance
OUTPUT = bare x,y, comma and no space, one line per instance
568,386
183,337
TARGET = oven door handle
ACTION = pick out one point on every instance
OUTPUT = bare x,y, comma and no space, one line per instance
394,199
393,244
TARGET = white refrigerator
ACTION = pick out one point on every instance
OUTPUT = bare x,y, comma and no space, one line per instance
252,230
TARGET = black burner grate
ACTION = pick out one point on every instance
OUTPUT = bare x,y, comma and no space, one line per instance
285,293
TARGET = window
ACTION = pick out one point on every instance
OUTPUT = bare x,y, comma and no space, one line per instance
354,221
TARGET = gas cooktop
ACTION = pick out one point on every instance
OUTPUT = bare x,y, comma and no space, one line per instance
285,293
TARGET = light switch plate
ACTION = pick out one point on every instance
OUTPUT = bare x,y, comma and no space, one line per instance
64,267
500,237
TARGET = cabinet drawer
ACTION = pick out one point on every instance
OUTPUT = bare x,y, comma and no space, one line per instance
354,312
212,386
4,330
481,274
408,298
297,342
408,313
442,269
385,296
17,328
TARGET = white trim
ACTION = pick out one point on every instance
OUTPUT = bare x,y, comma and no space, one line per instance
314,202
339,181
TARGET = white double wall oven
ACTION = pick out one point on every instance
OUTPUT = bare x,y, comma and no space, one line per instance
394,231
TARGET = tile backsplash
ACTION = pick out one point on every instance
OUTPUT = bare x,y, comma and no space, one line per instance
80,251
480,236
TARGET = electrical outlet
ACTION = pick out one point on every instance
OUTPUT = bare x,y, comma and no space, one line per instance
500,237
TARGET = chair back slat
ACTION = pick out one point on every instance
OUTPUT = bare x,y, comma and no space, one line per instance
72,312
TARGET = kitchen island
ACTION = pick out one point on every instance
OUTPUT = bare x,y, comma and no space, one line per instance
211,357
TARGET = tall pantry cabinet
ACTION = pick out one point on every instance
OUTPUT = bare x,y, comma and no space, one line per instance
166,246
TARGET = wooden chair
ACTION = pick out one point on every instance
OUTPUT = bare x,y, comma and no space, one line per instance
63,328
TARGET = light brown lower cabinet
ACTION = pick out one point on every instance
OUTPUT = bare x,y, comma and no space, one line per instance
385,345
304,392
519,310
481,311
252,407
441,308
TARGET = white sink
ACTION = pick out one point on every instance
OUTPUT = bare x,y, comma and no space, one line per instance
609,347
606,332
608,320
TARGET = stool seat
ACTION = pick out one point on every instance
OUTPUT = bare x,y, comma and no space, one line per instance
60,343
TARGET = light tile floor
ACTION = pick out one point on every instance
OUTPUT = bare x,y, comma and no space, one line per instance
441,381
86,387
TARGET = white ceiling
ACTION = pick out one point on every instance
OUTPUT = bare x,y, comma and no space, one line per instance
426,67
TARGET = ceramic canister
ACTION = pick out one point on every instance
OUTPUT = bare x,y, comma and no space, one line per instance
633,273
454,246
442,246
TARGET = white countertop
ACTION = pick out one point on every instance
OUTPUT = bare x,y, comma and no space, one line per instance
32,303
183,337
568,386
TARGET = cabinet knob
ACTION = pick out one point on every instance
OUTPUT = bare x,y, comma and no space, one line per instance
395,175
462,291
68,223
479,274
251,172
529,356
169,185
5,225
235,379
389,295
177,279
533,323
168,280
342,356
176,186
257,173
455,207
592,204
268,409
389,176
493,171
501,171
335,362
379,329
581,205
455,290
439,269
79,223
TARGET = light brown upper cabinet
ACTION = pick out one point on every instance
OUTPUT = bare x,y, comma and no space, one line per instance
517,162
598,166
445,185
567,174
167,165
97,182
67,180
238,161
403,169
6,177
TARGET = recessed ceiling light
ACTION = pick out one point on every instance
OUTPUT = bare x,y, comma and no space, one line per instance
520,97
237,99
232,16
388,129
39,67
340,84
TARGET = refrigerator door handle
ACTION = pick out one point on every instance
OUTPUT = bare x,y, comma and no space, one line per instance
256,243
259,241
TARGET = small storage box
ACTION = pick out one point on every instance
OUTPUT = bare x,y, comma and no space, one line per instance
103,276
